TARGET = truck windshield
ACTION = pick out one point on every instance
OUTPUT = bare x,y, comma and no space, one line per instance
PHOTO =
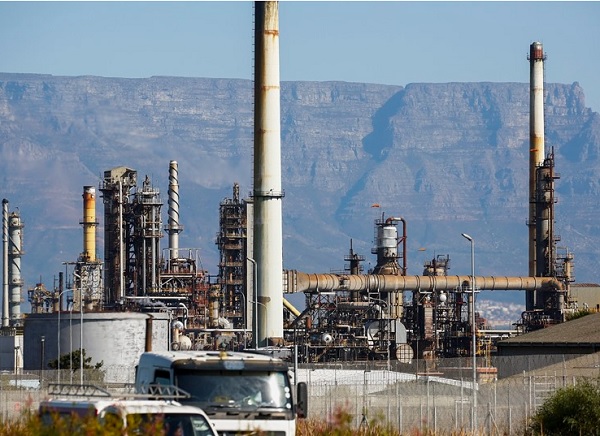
243,389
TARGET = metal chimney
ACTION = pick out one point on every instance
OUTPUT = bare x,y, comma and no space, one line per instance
267,194
5,263
536,150
89,224
173,228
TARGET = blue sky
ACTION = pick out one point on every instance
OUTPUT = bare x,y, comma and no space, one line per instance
375,42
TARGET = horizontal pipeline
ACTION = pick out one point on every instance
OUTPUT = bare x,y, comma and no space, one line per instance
296,281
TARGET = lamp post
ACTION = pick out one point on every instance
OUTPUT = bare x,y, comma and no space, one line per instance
474,334
80,326
43,345
255,317
58,330
80,337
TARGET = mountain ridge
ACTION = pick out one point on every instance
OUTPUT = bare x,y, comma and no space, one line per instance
449,158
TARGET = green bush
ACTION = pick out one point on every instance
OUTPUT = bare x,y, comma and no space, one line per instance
574,410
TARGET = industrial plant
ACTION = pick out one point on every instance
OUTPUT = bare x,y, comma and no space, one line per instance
165,300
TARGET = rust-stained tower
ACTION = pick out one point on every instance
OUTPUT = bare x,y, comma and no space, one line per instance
232,242
87,275
117,188
267,193
536,151
146,238
89,224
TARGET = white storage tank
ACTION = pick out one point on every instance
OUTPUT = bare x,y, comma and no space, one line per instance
114,338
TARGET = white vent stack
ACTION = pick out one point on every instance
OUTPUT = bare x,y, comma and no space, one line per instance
536,149
5,263
267,193
173,228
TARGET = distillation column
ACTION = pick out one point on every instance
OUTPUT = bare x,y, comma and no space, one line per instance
147,234
15,281
268,194
536,150
386,248
116,188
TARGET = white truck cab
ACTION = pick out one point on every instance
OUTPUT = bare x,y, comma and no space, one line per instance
241,392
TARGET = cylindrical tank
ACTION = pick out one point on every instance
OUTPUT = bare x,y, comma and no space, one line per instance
387,241
114,338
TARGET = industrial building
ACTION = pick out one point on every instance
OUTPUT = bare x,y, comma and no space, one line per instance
164,300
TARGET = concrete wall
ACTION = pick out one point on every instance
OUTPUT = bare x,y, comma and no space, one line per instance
11,352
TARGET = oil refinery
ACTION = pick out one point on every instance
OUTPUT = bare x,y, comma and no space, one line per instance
163,298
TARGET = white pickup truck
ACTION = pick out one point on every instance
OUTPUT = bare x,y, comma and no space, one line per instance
241,392
75,404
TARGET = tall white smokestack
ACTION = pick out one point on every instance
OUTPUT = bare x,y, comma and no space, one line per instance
173,228
536,149
268,239
5,263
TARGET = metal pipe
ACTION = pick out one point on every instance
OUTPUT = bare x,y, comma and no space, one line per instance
536,149
255,303
303,282
148,338
267,192
289,306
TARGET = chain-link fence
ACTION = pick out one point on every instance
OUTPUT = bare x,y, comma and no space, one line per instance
24,390
437,396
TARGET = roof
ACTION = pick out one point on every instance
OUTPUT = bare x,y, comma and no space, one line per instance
580,331
228,360
127,406
210,355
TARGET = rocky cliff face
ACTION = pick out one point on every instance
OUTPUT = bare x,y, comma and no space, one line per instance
449,158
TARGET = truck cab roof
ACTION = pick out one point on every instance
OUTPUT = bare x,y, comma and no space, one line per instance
219,359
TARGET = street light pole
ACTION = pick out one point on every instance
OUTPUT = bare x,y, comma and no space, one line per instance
58,332
255,298
81,336
80,325
43,344
474,333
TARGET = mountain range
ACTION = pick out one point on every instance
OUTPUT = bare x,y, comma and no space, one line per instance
449,158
